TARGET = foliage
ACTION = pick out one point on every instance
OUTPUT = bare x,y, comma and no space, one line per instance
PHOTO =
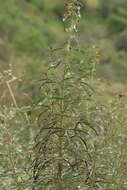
111,6
73,134
24,35
121,43
64,127
15,143
116,24
121,69
31,41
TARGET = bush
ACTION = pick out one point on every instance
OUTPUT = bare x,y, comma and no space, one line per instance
121,43
10,23
40,6
24,34
116,24
69,138
111,6
33,39
119,64
65,128
14,143
29,40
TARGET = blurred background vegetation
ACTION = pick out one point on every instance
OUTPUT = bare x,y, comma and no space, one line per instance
28,28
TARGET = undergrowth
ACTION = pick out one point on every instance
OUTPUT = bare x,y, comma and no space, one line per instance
69,138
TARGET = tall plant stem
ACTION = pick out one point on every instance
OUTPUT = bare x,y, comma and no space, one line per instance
12,94
13,98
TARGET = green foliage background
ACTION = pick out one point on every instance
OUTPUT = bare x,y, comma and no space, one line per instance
29,31
29,27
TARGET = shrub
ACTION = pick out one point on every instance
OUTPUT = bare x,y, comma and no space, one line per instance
64,125
14,146
116,24
40,6
69,138
121,43
120,66
30,40
24,34
111,6
64,144
10,24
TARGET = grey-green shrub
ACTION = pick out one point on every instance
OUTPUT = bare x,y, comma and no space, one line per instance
116,24
121,43
111,6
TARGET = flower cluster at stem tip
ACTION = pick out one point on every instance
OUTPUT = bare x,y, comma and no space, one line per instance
72,16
